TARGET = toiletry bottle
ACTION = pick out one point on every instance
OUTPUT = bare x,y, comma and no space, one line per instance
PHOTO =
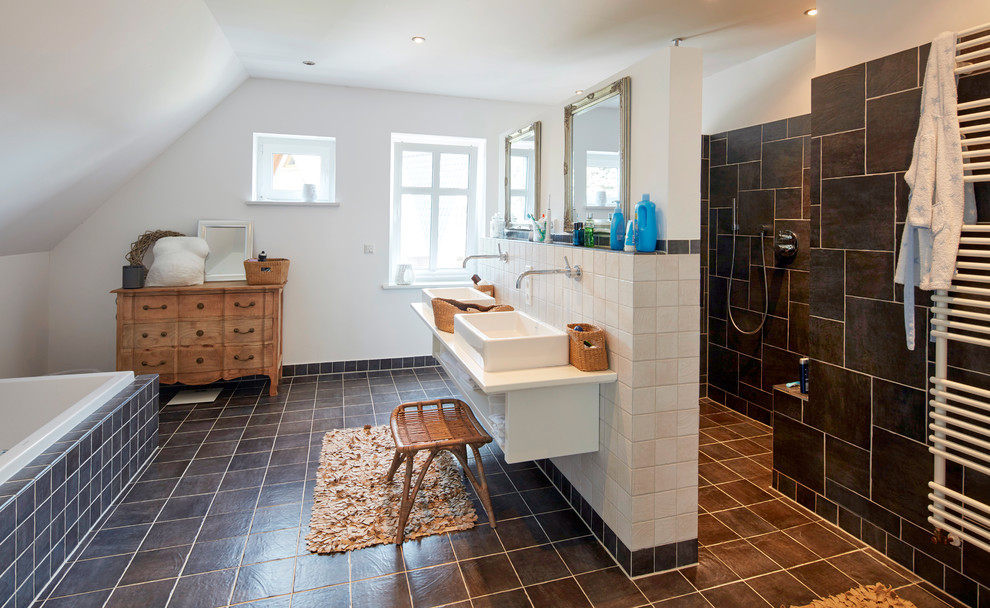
617,236
803,363
547,236
630,245
646,221
589,231
578,234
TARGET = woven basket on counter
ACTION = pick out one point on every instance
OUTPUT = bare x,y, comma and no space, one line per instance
587,347
444,310
272,271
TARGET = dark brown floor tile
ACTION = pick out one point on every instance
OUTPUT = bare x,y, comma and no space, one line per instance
487,575
476,542
538,564
611,588
713,499
563,593
709,572
711,531
736,595
746,447
584,554
923,599
823,578
749,428
819,539
427,551
153,565
276,518
719,451
147,595
204,590
258,581
392,591
544,500
779,514
226,525
131,513
436,586
783,549
665,585
695,600
782,589
750,469
716,472
764,460
744,559
516,598
506,506
92,575
114,541
314,571
521,532
561,525
744,522
337,595
745,492
866,571
271,545
172,533
376,560
720,434
215,555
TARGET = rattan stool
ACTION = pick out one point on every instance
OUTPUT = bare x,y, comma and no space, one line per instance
437,425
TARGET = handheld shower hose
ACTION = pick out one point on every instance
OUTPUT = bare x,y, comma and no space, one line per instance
732,266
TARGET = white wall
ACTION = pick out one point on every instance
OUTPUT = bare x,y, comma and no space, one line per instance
853,31
335,307
770,87
24,323
665,150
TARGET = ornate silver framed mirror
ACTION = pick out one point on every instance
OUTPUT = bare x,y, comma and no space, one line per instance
522,176
596,155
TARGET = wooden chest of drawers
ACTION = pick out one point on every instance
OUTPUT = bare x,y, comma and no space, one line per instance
201,333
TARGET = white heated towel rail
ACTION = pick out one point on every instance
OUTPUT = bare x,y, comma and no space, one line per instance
960,416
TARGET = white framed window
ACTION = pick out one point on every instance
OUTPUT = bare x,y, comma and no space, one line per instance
436,186
294,168
602,179
522,181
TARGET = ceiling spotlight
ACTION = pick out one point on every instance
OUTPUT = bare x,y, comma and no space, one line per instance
308,62
579,92
811,12
418,39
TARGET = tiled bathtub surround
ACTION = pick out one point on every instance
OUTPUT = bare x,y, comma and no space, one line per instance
765,169
51,504
642,481
856,452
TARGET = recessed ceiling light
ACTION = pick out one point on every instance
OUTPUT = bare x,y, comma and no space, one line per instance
418,39
579,91
308,62
811,12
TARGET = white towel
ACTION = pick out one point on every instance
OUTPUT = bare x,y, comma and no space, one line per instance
940,200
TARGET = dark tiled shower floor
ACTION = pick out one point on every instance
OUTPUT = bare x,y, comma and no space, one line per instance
220,517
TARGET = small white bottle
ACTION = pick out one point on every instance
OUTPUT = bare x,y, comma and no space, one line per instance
549,228
630,237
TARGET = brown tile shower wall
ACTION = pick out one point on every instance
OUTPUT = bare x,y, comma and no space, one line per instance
766,169
856,451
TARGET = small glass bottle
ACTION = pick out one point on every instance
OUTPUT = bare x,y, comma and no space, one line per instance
578,234
589,231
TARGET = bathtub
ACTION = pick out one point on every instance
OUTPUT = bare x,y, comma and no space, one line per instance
36,412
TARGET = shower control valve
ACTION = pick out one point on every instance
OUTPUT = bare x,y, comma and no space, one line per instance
785,244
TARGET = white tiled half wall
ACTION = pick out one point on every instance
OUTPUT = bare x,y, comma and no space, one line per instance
643,480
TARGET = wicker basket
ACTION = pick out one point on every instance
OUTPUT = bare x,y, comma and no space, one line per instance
584,357
444,310
272,271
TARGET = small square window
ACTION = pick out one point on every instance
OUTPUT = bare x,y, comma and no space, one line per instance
294,168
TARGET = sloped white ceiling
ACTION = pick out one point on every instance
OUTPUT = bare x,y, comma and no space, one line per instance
89,93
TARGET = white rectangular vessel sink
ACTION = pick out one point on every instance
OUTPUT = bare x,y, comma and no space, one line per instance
468,295
505,341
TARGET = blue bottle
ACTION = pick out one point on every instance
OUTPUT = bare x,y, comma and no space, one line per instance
617,238
646,222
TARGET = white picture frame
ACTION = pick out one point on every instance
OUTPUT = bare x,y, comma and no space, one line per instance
231,242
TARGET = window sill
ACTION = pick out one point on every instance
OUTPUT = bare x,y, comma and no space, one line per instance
425,285
295,203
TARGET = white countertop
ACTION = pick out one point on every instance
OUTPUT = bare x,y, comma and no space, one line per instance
500,382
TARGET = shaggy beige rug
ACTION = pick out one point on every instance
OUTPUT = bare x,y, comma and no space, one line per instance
355,507
870,596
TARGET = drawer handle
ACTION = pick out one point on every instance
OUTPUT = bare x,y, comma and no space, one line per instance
239,305
239,358
199,359
146,364
201,306
162,307
164,334
238,331
199,332
144,335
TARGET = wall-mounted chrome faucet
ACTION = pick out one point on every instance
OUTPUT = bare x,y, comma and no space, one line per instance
503,257
568,272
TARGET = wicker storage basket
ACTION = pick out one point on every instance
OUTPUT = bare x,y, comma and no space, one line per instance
272,271
587,358
444,310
